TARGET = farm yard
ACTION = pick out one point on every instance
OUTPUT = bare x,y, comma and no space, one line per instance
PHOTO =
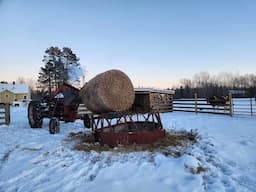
127,96
222,159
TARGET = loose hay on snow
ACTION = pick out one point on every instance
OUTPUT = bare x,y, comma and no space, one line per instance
173,144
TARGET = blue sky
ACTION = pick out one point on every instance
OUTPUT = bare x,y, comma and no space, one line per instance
156,43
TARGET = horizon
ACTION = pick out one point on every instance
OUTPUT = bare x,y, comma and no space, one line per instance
155,43
220,79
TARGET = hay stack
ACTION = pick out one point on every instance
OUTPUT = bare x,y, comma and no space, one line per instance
107,92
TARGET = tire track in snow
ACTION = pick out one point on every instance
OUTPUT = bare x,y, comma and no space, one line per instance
4,158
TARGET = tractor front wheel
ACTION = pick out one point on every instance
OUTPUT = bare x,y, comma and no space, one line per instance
54,126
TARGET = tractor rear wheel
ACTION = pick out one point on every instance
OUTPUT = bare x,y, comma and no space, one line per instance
34,114
54,126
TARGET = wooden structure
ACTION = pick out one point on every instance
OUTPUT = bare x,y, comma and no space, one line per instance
4,114
147,99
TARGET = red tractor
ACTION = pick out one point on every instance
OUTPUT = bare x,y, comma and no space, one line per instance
61,105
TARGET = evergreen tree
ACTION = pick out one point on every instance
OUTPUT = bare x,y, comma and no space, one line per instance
57,65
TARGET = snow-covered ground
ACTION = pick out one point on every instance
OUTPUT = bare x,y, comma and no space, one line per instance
34,160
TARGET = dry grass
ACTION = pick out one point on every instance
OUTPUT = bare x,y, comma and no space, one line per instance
173,144
107,92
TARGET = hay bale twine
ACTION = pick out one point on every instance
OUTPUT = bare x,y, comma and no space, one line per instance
107,92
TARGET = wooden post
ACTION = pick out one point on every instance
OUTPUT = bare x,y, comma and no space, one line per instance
251,106
7,114
230,105
196,102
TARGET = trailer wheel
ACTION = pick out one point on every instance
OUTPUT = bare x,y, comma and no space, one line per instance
34,114
54,126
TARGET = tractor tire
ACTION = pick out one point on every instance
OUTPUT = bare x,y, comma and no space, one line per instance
54,126
34,114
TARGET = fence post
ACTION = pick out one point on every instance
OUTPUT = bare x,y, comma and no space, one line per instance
251,106
7,114
230,104
195,102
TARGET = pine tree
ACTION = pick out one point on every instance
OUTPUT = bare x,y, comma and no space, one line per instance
46,76
56,67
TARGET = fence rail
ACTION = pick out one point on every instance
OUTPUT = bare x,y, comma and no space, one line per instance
200,105
4,114
245,106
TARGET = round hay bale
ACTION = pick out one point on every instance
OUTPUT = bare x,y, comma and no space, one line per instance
107,92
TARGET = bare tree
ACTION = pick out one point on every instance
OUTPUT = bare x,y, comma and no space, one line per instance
206,85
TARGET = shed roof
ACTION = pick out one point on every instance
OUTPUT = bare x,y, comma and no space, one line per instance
14,88
152,90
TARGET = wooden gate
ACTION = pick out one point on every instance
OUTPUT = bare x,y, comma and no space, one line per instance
4,114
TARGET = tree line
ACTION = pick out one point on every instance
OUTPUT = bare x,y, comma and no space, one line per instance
206,85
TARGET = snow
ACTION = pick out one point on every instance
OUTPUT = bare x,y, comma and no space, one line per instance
74,70
34,160
227,148
14,88
59,96
75,73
